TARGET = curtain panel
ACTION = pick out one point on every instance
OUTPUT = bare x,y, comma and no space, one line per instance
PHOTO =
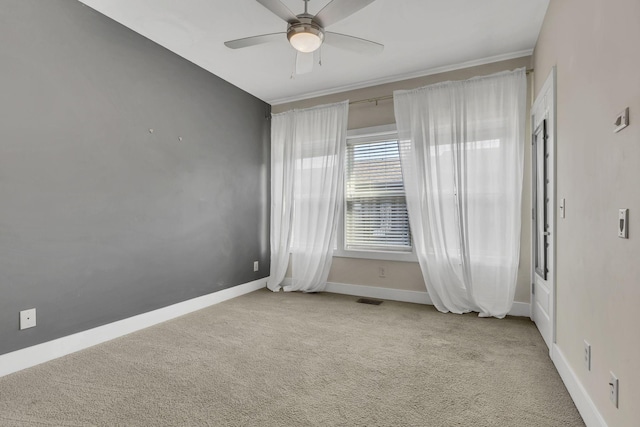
462,154
307,167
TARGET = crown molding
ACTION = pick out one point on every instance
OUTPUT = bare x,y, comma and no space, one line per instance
405,76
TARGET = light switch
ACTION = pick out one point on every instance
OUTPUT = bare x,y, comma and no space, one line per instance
623,223
621,121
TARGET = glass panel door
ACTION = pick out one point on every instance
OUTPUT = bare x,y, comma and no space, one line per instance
541,199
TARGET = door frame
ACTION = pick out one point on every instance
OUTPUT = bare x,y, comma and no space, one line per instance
544,108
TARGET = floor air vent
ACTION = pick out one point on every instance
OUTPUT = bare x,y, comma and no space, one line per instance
369,301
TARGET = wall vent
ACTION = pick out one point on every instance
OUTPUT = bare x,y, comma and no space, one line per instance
369,301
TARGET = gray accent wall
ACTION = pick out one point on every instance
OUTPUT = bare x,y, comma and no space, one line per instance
100,218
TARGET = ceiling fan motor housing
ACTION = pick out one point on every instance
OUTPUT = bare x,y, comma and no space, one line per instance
305,36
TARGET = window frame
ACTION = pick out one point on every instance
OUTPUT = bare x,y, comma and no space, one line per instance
362,135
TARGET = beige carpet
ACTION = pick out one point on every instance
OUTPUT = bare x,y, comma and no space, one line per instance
268,359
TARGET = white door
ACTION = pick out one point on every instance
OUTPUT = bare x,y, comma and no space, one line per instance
543,215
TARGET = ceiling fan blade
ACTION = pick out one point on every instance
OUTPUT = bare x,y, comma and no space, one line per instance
337,10
252,41
279,9
304,62
351,43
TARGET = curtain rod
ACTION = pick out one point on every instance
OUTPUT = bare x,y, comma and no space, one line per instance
383,98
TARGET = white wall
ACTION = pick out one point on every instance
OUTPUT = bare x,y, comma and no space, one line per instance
407,275
594,44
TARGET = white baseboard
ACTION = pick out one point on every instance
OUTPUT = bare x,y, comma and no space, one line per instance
40,353
586,407
417,297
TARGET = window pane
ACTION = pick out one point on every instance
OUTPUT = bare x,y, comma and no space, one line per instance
376,209
541,201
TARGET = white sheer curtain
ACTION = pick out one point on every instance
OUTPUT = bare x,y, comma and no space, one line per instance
282,132
307,168
461,148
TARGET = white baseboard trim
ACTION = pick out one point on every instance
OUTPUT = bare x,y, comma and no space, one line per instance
40,353
586,407
417,297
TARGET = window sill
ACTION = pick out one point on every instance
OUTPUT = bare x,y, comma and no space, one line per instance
380,255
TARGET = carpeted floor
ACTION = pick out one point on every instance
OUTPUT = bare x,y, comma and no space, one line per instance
293,359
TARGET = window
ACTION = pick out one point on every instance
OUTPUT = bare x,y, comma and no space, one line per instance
485,204
375,211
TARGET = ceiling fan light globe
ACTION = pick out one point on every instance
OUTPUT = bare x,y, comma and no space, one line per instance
305,36
305,42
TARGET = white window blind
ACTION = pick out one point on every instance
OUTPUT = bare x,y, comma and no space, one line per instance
376,211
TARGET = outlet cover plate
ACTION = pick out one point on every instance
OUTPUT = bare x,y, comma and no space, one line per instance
27,318
256,266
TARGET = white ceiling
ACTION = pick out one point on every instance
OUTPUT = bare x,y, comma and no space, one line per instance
420,37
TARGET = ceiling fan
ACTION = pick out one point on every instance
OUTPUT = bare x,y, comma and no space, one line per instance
306,32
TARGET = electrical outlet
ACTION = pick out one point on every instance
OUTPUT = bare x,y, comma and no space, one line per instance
27,318
613,389
587,355
256,266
